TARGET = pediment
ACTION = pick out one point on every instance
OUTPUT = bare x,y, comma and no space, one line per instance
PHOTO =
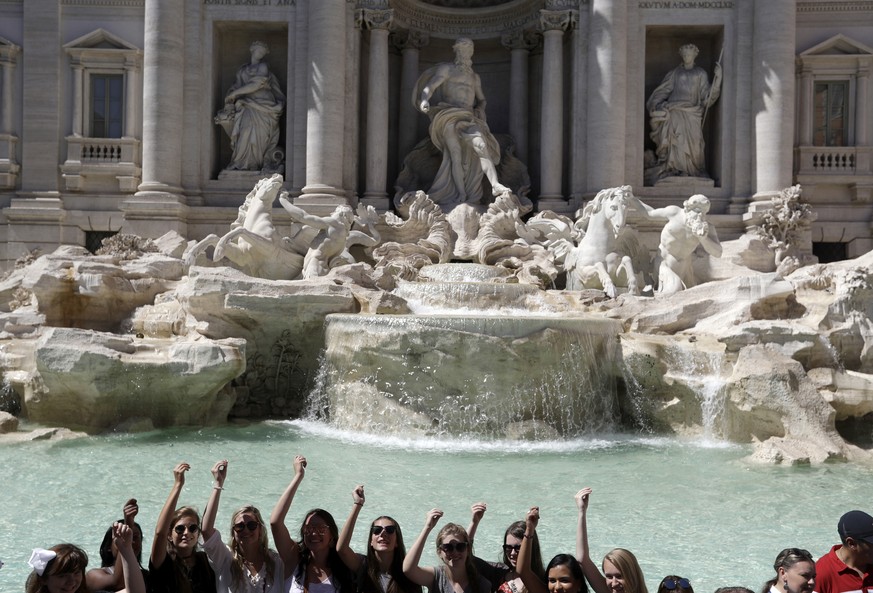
839,45
100,39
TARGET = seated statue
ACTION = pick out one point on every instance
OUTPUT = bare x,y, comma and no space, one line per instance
676,109
250,116
686,229
451,95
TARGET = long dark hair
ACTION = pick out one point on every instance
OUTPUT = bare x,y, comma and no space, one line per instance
517,530
107,558
340,573
574,566
399,583
786,559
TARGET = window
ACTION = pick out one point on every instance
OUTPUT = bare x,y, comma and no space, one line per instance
830,114
107,105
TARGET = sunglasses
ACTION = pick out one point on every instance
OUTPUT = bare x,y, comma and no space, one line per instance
389,529
509,549
192,528
673,583
454,547
250,525
315,530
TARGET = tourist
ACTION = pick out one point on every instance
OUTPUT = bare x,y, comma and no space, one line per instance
110,577
621,571
563,573
61,569
504,575
176,565
245,564
795,573
312,565
675,584
457,572
736,589
381,570
848,566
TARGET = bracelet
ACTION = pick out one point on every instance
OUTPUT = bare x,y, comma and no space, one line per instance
217,487
527,536
360,504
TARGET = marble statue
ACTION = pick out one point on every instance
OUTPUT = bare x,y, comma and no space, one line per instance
783,227
677,110
600,260
686,229
250,116
418,235
451,95
253,243
329,247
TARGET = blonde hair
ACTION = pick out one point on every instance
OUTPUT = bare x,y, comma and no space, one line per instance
630,570
237,568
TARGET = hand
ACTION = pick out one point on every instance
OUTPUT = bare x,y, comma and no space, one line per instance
358,495
424,106
130,511
582,499
717,72
299,465
122,536
433,516
219,472
179,473
532,519
478,510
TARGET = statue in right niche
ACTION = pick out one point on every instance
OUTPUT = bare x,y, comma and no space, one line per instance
677,111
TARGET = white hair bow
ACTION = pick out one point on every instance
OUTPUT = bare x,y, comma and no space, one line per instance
40,559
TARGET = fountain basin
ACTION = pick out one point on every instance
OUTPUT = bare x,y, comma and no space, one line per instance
532,376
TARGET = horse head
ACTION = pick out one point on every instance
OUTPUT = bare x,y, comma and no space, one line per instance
610,205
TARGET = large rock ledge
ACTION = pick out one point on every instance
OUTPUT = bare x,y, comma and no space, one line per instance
98,344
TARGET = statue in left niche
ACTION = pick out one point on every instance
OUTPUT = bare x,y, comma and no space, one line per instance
250,116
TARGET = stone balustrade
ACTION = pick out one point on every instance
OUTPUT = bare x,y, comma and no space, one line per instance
834,160
101,158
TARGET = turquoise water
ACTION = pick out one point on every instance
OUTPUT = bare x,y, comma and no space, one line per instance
690,508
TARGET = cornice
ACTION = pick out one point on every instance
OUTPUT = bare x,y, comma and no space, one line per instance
468,22
110,3
844,6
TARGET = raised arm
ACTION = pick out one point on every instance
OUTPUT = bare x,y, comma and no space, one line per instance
477,512
583,554
352,560
288,549
162,527
300,215
522,566
219,472
122,538
421,575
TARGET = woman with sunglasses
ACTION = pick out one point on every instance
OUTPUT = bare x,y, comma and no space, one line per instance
795,573
457,572
176,565
504,575
675,584
621,571
312,565
381,570
245,564
563,573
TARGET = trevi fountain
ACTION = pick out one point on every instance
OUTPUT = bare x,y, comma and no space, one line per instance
461,345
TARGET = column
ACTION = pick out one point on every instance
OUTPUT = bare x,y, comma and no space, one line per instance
7,67
519,43
409,43
131,90
554,23
78,97
325,120
163,83
806,98
862,109
607,94
379,23
8,140
773,95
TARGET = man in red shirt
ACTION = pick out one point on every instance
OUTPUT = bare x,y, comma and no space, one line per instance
848,568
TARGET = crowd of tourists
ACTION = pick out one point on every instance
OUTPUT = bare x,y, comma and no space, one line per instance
188,555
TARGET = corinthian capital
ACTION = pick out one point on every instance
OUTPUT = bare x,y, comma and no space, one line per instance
371,18
520,39
551,20
410,39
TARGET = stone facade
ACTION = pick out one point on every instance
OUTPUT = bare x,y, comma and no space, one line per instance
107,106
